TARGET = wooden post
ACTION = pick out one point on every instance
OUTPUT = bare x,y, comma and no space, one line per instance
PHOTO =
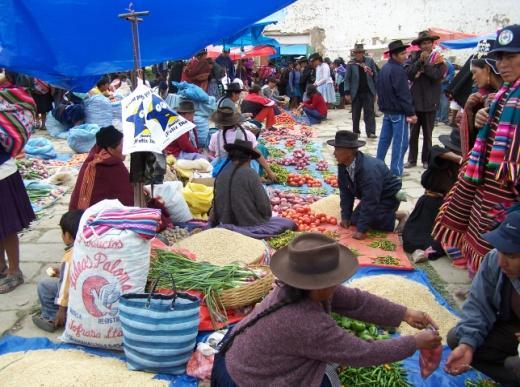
137,160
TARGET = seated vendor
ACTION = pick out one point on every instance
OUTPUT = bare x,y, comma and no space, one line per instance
102,87
186,146
290,337
261,108
368,179
230,130
270,90
240,202
314,106
487,337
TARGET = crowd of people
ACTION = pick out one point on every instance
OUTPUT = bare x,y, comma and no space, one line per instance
468,211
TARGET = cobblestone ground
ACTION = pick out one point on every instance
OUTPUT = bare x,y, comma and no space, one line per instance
41,245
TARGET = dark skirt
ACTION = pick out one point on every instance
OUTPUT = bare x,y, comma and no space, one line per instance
16,212
43,102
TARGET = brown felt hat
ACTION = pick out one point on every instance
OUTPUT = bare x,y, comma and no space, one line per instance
226,116
313,261
424,35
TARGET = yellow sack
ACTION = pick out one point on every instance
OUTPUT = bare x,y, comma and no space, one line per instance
199,198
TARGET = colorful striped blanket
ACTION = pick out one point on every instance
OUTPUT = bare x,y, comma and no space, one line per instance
142,221
17,117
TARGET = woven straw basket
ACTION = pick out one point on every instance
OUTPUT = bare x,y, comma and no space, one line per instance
248,294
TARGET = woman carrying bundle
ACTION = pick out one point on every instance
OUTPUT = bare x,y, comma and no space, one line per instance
240,202
290,337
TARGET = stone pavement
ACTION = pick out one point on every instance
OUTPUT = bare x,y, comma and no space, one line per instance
41,246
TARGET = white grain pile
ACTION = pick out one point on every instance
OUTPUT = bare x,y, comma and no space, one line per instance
63,368
410,294
328,206
221,247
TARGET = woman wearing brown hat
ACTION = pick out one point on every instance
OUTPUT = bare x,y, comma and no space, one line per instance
290,337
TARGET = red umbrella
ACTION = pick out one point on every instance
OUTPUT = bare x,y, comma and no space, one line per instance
239,53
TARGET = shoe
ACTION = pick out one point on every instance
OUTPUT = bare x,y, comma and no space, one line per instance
425,165
410,165
371,135
43,324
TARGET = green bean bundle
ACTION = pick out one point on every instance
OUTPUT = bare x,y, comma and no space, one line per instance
388,375
383,244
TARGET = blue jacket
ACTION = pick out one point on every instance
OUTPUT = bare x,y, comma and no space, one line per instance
372,183
393,93
351,84
483,305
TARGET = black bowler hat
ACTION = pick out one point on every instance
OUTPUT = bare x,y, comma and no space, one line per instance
346,139
424,35
396,45
243,145
452,141
234,87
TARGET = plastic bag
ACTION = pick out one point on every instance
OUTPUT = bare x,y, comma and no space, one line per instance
429,360
191,92
41,148
82,137
56,128
171,193
201,362
98,110
199,198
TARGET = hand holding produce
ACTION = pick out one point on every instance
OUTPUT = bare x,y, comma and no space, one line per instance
459,360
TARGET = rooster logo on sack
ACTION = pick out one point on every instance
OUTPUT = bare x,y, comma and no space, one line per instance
99,296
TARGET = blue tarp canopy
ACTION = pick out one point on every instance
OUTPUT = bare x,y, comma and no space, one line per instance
459,44
293,49
250,36
70,43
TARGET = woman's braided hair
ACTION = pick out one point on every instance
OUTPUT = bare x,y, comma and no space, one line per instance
292,296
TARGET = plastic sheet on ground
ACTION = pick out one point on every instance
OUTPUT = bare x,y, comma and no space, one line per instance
44,201
411,364
9,344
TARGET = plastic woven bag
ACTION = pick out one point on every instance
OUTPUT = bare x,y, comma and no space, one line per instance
82,137
41,148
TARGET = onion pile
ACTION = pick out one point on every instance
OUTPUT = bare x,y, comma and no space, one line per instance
322,165
281,201
299,159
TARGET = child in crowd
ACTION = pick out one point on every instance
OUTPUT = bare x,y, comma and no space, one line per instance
54,292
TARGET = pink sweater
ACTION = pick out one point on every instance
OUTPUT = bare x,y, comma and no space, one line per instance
292,346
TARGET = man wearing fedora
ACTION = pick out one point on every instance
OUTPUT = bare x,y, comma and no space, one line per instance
360,90
368,179
186,146
395,101
426,70
487,337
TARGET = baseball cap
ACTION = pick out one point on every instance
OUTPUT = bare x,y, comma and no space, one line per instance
506,237
508,39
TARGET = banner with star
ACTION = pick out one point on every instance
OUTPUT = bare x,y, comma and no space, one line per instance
149,124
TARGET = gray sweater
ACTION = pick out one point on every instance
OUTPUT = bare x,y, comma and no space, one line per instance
249,201
292,346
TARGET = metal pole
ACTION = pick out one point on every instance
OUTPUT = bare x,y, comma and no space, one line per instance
137,160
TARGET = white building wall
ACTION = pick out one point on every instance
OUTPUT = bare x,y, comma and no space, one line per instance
375,23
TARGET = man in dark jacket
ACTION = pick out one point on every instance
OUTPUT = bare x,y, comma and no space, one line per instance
224,60
487,336
360,90
395,101
368,179
425,70
308,76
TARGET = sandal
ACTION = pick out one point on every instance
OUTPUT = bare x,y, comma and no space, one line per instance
43,324
10,282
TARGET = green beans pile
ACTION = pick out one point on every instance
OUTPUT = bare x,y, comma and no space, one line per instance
383,244
274,152
317,191
480,383
376,234
283,239
386,260
388,375
280,172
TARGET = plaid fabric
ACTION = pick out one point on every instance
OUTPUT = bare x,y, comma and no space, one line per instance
17,117
504,157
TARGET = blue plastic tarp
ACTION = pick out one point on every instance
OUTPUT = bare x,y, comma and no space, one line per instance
70,43
459,44
250,36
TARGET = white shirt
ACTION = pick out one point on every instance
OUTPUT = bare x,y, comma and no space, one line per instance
323,74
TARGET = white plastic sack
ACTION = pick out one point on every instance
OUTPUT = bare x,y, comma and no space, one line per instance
171,193
82,137
103,268
98,110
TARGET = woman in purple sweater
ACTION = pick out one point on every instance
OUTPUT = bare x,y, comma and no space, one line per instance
290,337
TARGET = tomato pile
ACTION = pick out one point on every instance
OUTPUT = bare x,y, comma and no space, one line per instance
290,143
332,180
297,180
306,220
